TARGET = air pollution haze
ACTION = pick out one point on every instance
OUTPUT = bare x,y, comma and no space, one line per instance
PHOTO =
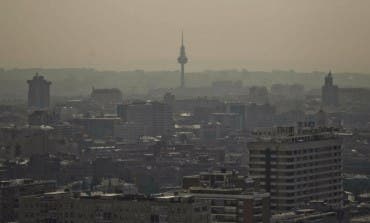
192,111
303,35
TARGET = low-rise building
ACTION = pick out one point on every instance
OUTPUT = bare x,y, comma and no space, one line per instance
11,192
313,212
69,207
305,216
232,198
25,141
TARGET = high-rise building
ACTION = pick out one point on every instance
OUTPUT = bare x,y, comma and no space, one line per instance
182,59
38,93
153,118
259,116
128,132
240,109
106,98
98,127
329,92
297,165
258,95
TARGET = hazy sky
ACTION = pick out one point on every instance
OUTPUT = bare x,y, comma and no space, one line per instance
136,34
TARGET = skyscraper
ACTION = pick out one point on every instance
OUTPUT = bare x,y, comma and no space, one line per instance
38,93
182,59
329,92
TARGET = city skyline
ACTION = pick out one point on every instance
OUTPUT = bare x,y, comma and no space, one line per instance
242,111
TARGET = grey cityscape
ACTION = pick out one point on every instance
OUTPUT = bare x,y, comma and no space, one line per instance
208,111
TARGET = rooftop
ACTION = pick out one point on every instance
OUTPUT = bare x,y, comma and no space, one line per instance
18,182
98,195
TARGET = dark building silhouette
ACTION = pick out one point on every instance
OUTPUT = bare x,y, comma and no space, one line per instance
321,118
12,190
182,59
39,118
259,116
240,109
38,93
169,99
106,96
151,118
329,92
258,94
122,111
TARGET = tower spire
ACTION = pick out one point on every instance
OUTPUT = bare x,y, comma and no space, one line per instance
182,60
182,38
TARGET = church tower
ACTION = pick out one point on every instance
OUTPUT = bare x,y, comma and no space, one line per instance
329,92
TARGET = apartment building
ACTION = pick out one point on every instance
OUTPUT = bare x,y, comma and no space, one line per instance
232,197
111,208
297,165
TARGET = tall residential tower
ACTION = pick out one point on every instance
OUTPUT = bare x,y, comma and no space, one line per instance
182,59
38,93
